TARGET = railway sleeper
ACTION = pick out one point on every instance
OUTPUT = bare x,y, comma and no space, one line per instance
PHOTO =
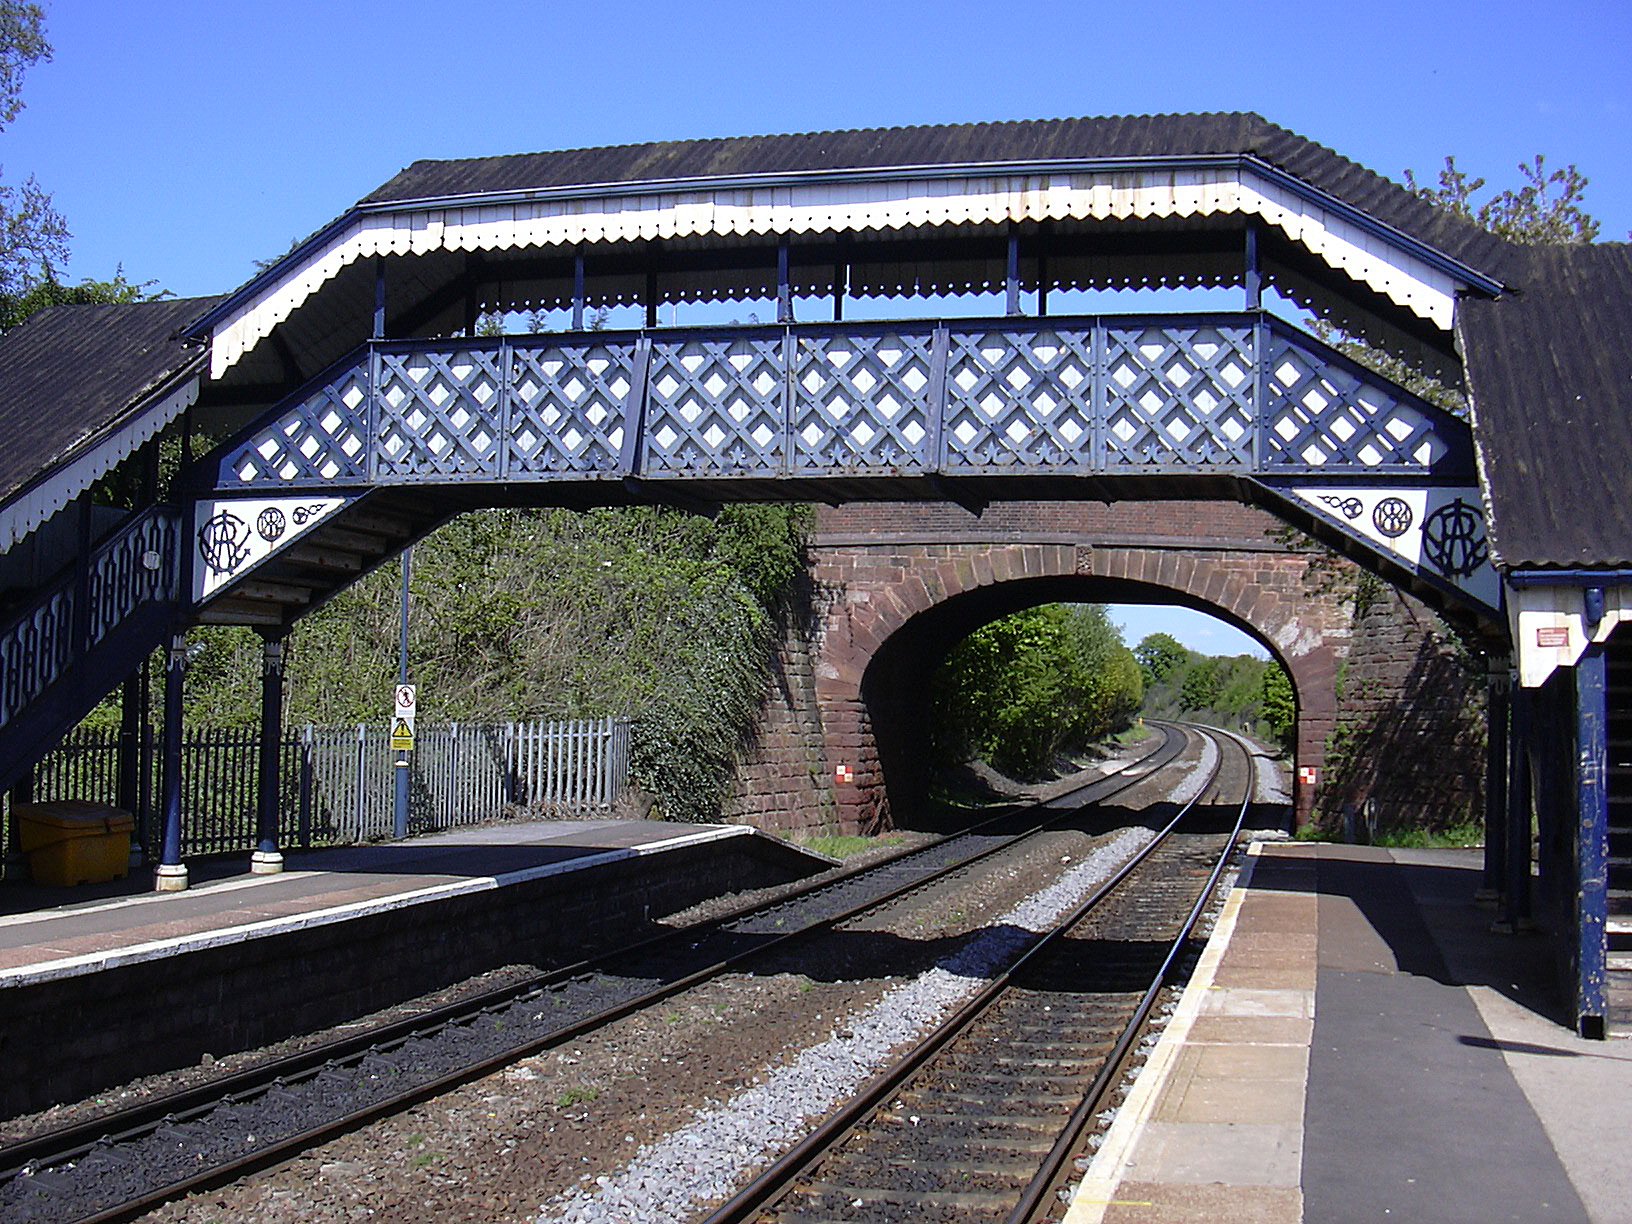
1003,1095
939,1121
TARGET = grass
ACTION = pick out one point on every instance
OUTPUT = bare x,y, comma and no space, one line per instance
1455,837
577,1096
1133,734
845,846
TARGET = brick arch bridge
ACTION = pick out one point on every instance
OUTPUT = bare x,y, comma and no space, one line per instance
895,586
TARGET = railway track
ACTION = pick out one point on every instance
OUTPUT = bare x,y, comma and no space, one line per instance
122,1164
982,1119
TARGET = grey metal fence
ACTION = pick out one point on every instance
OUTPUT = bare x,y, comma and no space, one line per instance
338,786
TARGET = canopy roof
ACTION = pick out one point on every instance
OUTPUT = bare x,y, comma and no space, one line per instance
81,388
1550,383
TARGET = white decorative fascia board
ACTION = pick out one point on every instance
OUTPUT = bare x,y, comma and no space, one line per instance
1549,625
232,536
37,504
1368,255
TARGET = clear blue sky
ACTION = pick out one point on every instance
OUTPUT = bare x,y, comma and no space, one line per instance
187,138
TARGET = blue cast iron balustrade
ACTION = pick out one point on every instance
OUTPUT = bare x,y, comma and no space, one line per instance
1241,394
134,570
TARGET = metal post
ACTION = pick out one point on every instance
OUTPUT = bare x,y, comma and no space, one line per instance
784,293
1496,702
1516,888
1252,278
171,873
22,791
1012,279
1592,814
400,809
132,714
379,298
267,860
578,291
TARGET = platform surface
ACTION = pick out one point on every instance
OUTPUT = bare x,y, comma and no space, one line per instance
1357,1045
53,932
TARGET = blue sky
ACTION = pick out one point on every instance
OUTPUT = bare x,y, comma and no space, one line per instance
188,138
184,139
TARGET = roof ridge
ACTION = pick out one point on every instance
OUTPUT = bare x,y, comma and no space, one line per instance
890,129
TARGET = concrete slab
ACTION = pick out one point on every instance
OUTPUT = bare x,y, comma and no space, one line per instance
1157,1203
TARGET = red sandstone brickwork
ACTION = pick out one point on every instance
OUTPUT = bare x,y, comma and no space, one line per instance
878,567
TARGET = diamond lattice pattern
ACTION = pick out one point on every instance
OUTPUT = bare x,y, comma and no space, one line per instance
861,403
567,408
715,407
1322,415
438,413
1178,396
1019,399
321,439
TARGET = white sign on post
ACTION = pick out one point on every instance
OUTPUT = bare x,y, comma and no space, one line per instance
406,702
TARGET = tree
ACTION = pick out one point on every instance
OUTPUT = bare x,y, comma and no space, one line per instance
1158,654
33,234
1280,705
1545,211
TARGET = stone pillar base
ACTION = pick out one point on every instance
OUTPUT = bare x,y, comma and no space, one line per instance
265,862
170,877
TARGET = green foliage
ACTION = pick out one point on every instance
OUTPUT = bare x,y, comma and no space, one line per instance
1026,688
1239,691
551,614
1546,211
33,234
1279,705
1158,654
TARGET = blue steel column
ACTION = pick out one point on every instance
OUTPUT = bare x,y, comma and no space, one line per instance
171,873
1516,887
267,859
399,807
1496,703
1592,814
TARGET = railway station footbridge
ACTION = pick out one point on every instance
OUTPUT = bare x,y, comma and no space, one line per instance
352,401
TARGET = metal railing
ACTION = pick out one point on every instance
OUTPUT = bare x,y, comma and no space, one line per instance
337,783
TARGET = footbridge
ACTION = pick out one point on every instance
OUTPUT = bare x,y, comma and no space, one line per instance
957,314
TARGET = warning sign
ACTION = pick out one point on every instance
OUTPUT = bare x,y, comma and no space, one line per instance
402,735
1553,637
407,700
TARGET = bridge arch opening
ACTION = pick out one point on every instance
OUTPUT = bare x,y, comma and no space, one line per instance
886,679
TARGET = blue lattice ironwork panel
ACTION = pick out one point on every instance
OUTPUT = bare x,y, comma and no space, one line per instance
137,566
863,403
437,413
1019,398
566,410
714,406
1179,396
321,439
35,649
1321,413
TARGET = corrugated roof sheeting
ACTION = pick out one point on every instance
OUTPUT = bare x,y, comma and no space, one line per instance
1550,380
71,373
1105,138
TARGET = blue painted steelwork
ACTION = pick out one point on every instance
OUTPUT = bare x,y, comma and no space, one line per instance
1498,687
1592,842
135,572
272,671
1516,888
175,670
1570,577
1243,395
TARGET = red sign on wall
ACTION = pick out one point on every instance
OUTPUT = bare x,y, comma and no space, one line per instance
1553,636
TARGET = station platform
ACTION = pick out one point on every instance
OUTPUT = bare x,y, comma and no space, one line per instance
1356,1044
139,982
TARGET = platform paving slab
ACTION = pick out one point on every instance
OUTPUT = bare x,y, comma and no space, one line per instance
63,934
1422,1075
